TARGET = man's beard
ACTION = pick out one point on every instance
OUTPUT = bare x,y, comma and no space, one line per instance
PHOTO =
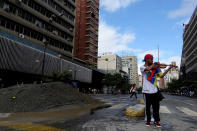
150,63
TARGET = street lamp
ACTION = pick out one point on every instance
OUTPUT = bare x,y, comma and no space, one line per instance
43,62
60,56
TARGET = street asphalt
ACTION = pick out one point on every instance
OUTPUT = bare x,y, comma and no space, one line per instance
177,113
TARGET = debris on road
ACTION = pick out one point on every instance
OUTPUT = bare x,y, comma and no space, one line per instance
38,98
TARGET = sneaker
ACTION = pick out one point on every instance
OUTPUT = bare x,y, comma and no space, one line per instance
147,123
157,124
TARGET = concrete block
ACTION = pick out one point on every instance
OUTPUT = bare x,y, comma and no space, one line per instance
142,101
137,110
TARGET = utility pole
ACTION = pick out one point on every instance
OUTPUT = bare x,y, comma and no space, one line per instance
43,62
158,52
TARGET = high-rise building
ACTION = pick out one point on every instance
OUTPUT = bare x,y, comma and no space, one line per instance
130,62
110,63
37,22
189,51
86,31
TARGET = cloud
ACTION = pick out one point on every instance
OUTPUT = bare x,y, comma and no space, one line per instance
184,21
111,40
113,5
162,58
186,9
153,52
177,59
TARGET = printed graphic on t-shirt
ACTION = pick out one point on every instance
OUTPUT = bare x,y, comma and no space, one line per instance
152,77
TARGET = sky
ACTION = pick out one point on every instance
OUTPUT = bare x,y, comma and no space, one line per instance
138,27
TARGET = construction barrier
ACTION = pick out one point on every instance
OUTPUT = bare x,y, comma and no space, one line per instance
137,110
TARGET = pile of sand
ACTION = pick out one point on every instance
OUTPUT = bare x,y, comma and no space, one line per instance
36,98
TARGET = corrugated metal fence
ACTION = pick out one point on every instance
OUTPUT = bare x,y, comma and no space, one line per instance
19,57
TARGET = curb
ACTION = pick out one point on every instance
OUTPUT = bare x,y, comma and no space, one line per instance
99,107
142,101
137,110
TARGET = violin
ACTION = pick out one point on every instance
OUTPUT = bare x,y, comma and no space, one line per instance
162,65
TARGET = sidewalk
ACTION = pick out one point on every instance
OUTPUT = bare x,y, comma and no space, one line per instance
23,121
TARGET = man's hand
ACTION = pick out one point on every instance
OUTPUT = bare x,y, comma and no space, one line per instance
156,65
171,66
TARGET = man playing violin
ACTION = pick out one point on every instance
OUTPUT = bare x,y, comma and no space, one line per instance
150,72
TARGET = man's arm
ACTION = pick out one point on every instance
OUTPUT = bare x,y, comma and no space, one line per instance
171,66
162,83
153,66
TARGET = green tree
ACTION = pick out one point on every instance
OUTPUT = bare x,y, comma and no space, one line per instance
174,85
116,80
107,80
64,76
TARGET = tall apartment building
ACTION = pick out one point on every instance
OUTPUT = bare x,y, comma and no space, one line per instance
130,62
189,51
37,22
86,31
110,63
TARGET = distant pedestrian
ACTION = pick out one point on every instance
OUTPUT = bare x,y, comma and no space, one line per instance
191,93
118,90
150,72
133,91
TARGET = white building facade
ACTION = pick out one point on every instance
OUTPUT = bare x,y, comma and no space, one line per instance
129,65
172,74
110,63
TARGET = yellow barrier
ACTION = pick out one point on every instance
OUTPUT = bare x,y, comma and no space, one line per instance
142,101
34,127
135,111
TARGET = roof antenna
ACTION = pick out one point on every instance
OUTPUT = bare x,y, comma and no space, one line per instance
158,52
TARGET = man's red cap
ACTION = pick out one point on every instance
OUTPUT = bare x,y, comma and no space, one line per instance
148,56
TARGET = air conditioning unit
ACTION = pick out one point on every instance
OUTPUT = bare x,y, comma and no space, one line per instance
62,13
53,16
38,23
7,9
21,36
71,29
55,32
18,1
50,19
68,39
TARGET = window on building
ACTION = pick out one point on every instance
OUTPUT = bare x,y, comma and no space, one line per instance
2,22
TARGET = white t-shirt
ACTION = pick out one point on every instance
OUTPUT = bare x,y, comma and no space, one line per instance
147,86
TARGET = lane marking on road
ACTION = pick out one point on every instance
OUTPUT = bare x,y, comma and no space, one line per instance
34,127
164,109
4,115
118,106
185,102
188,103
109,103
187,111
